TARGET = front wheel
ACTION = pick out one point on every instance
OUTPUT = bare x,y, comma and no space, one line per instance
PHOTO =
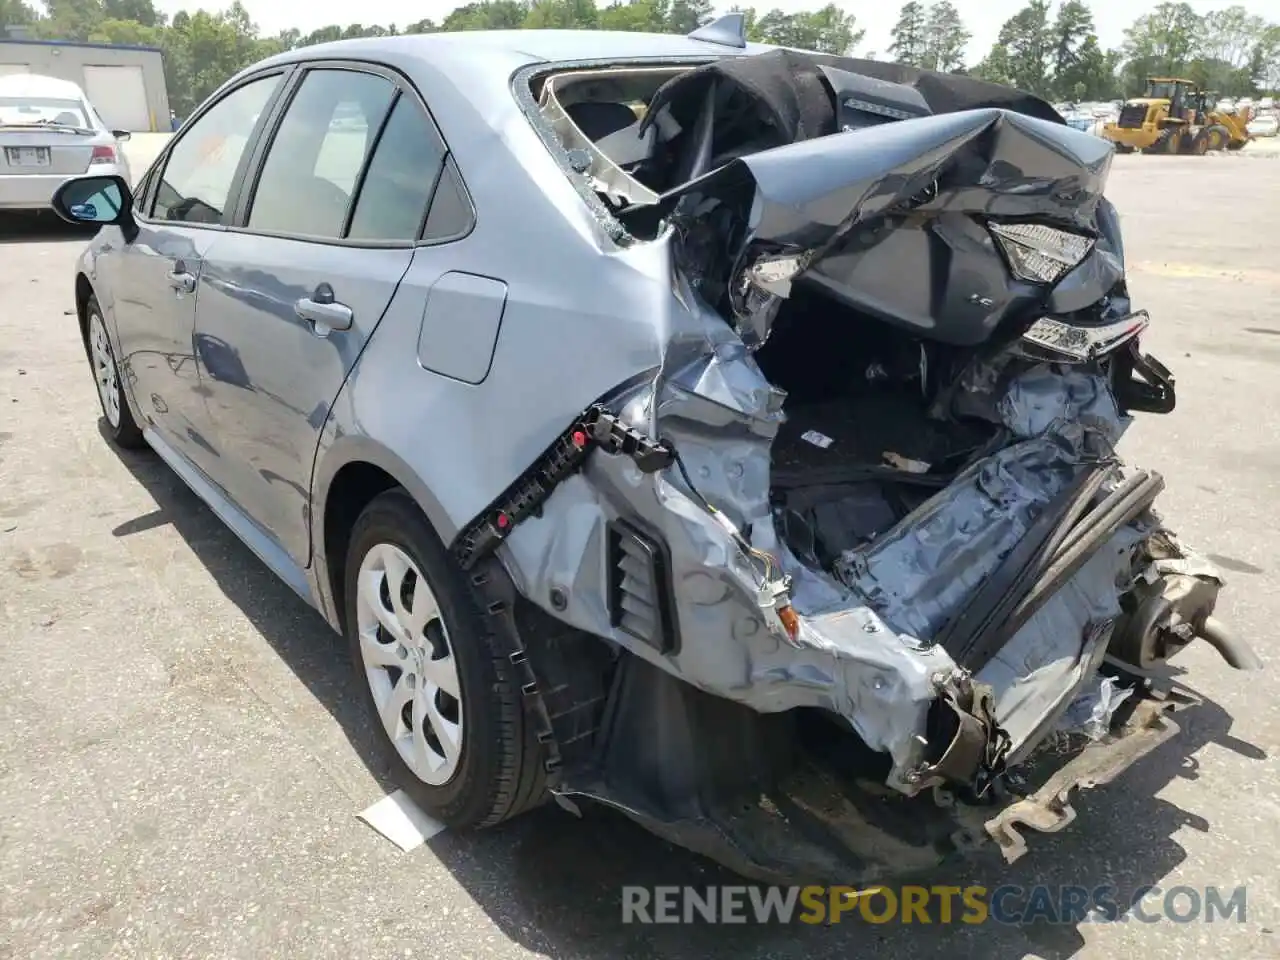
121,425
441,691
1217,136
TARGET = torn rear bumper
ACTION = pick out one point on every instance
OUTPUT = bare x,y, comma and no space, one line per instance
801,814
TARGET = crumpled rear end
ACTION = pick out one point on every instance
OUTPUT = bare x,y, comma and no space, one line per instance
863,540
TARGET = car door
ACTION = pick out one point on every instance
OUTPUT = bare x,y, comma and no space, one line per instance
156,282
291,295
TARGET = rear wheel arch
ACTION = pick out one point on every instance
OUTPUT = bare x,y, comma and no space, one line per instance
352,474
496,767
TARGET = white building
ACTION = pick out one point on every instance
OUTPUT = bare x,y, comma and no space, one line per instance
125,84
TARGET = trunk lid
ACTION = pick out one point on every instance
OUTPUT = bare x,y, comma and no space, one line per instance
854,212
47,151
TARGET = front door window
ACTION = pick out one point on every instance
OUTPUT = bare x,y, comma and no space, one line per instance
201,168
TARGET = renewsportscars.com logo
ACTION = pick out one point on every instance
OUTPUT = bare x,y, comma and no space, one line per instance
939,904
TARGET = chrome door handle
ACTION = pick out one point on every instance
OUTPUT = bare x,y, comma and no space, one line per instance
323,312
182,281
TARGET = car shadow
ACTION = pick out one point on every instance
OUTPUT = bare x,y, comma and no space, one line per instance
553,883
44,226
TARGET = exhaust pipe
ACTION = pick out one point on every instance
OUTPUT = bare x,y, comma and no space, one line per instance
1235,651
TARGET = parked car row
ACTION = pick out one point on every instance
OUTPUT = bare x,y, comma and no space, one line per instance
1090,117
1247,103
49,131
1264,125
1262,115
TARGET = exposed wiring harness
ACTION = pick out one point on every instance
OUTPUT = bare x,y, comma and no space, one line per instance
769,561
773,587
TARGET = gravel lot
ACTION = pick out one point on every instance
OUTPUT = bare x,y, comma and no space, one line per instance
182,759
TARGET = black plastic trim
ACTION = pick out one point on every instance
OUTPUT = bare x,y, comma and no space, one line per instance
523,498
658,557
363,173
1153,390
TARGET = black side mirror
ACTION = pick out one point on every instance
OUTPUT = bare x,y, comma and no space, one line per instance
96,199
121,134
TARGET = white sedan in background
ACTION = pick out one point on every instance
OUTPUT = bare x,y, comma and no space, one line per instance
49,132
1264,126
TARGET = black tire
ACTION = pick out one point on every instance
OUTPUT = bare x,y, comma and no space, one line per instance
499,771
1123,148
1217,136
125,432
1166,142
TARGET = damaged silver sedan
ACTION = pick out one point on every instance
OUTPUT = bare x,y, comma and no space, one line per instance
721,433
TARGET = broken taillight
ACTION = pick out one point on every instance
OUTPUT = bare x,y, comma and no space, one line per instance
1040,254
1059,340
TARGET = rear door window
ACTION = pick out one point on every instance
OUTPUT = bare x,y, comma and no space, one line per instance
202,164
314,162
450,216
401,176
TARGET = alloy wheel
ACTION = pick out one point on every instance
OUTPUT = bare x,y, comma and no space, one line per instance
104,370
409,663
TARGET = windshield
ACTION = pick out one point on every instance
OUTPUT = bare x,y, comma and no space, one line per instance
43,112
1161,91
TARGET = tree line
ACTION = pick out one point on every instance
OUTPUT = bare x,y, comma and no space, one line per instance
1057,54
1052,50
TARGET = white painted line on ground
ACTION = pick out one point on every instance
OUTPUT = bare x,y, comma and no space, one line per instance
401,821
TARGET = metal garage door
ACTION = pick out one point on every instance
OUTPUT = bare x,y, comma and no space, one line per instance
10,68
119,96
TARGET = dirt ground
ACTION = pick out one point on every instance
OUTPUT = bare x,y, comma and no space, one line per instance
182,759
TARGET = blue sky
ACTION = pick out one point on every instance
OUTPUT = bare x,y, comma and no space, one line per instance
983,17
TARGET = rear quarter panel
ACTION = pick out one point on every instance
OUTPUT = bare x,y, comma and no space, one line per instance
581,316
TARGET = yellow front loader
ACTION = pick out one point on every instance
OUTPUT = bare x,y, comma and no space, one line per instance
1175,116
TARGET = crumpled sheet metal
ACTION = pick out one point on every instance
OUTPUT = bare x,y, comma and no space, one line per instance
919,576
721,414
853,177
1038,672
1171,556
1044,395
853,212
921,573
863,651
